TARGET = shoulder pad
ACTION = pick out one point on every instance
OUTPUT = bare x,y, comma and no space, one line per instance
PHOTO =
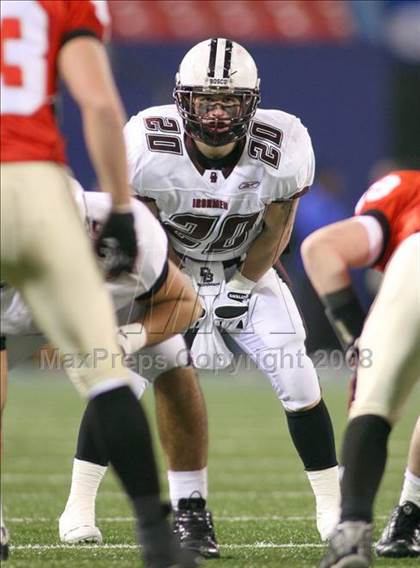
289,156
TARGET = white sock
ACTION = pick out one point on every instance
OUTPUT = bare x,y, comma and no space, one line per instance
325,484
183,483
1,516
411,488
86,478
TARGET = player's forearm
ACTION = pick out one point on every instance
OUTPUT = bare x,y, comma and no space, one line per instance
261,256
270,244
330,276
84,66
104,138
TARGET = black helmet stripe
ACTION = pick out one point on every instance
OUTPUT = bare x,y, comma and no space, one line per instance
228,58
212,60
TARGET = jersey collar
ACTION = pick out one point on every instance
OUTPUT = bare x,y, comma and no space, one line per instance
202,163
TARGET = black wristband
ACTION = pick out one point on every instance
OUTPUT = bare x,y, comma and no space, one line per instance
345,314
2,342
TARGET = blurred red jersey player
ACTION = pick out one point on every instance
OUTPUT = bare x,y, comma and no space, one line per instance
386,214
45,251
385,233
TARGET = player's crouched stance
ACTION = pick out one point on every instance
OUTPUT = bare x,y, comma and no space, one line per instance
224,178
44,251
384,233
380,394
153,303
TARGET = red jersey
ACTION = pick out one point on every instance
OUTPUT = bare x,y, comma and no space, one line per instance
395,202
32,34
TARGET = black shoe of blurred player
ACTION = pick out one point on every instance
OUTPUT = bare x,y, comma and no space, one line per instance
4,543
401,536
160,547
193,524
349,546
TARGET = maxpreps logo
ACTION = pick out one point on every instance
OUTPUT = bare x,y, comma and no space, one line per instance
249,184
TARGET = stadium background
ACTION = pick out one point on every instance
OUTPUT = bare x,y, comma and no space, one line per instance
351,71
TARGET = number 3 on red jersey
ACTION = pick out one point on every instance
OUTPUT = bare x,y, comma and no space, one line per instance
24,49
379,190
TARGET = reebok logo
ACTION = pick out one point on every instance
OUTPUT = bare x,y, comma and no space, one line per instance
249,184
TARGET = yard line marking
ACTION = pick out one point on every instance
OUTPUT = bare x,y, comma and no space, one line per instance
234,464
224,519
214,494
237,519
224,494
135,546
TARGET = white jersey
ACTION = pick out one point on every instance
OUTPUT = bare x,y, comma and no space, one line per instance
148,275
208,216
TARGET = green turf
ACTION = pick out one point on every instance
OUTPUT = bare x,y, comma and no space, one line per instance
261,501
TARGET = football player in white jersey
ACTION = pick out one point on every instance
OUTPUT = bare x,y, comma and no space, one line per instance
224,177
162,298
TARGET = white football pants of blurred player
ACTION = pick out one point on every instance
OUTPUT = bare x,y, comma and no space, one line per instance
389,345
46,254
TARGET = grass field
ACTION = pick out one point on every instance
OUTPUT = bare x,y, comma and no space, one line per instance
262,504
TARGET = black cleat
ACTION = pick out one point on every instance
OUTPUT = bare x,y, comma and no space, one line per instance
193,524
349,546
4,543
160,547
401,536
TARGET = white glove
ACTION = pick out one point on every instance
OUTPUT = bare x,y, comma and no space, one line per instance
230,308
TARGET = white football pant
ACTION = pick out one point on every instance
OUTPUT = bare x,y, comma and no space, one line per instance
389,345
47,256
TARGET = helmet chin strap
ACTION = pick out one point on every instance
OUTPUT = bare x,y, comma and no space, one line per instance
215,152
198,131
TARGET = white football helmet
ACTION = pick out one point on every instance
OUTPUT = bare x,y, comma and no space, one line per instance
217,67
